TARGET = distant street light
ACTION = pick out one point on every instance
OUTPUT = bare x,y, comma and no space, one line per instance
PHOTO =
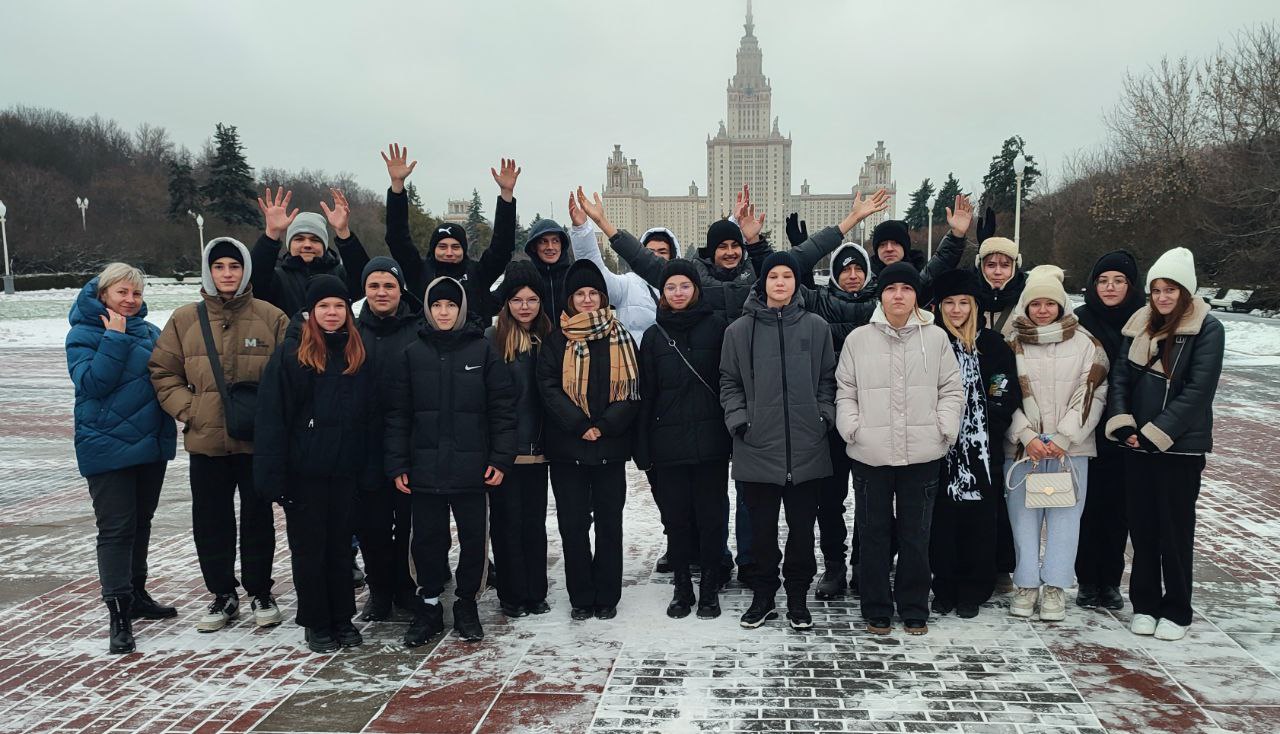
200,227
4,235
83,204
928,212
1020,165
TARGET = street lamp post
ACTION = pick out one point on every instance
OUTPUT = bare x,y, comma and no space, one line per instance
200,228
1019,168
4,235
929,218
84,205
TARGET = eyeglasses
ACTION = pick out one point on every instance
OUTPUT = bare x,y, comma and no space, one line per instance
525,302
674,288
1112,283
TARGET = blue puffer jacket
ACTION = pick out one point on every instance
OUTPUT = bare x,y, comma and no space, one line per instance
119,422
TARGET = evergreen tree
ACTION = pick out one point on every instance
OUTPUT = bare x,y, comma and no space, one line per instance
184,194
918,212
421,224
1000,182
230,190
476,224
946,197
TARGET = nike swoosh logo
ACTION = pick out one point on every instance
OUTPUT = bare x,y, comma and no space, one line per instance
469,367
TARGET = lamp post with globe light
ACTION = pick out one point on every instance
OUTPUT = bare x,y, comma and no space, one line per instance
4,235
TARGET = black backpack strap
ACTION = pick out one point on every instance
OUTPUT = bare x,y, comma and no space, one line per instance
672,343
203,312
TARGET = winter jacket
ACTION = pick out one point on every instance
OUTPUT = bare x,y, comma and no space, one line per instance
281,279
564,422
1105,323
553,293
454,415
529,414
1057,373
842,310
777,388
385,339
635,300
477,276
1000,388
681,420
118,421
899,398
310,424
997,306
1175,411
945,257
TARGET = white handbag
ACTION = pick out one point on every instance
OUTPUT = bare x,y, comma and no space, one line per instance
1046,489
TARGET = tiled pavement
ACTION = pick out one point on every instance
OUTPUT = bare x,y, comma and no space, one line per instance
640,672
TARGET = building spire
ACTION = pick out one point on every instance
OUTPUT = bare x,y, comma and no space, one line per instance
750,25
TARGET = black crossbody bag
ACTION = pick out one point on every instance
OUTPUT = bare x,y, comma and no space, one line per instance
239,399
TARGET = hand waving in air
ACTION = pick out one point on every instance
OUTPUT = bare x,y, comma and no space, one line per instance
960,217
745,212
340,215
864,207
397,166
506,179
594,208
276,211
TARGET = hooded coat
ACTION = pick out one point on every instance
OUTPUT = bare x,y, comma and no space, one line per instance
281,279
118,420
385,339
842,310
553,292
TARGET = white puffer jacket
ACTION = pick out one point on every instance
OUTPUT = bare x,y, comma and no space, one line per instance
1057,374
899,397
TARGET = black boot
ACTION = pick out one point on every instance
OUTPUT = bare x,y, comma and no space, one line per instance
377,608
682,600
708,596
320,640
121,625
832,584
760,611
1109,598
1087,596
428,621
466,620
142,606
663,565
347,634
798,612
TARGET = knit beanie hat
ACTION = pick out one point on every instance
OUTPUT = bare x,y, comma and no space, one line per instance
1119,261
382,264
718,232
1001,245
225,248
850,253
321,287
448,229
891,229
1043,281
584,274
899,272
519,274
956,282
781,259
1178,265
308,223
680,266
445,289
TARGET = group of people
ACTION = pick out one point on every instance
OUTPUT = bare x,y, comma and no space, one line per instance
971,409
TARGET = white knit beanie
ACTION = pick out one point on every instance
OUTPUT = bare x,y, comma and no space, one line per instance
1043,281
1001,245
1178,265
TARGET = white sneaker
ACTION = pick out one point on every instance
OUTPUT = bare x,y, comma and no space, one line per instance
1170,631
1143,624
223,609
266,613
1053,605
1024,602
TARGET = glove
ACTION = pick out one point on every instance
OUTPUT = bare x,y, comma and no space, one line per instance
1145,444
1123,434
797,230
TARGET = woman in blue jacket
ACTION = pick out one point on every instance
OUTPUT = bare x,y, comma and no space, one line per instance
123,439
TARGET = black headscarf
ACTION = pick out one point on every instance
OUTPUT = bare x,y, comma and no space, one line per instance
1104,321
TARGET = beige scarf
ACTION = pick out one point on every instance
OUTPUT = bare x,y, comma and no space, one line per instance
1025,331
624,370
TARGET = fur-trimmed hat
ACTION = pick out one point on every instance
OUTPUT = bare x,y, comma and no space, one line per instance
1000,245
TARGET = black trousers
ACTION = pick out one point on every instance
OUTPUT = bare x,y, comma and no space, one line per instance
518,510
832,529
1006,554
799,564
432,540
215,481
877,489
124,501
962,547
587,494
693,498
383,524
1104,530
1161,490
319,530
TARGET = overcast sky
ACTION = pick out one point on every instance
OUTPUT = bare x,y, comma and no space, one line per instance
555,83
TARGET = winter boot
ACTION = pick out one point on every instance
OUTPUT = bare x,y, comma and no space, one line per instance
762,610
708,596
144,607
682,600
832,584
466,620
798,612
121,625
428,621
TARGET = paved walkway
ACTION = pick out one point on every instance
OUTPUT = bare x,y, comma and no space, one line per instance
640,672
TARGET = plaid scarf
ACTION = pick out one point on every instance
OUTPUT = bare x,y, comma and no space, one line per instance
624,370
1025,331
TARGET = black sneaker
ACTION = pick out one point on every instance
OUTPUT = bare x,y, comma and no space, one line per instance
966,611
1109,598
377,608
606,612
144,607
512,611
466,620
428,621
798,615
832,584
347,634
1087,596
321,641
760,611
538,607
579,614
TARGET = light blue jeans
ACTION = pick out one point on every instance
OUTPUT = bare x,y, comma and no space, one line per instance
1058,567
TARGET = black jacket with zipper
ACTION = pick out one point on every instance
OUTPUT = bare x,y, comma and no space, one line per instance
565,423
529,414
281,279
385,339
681,421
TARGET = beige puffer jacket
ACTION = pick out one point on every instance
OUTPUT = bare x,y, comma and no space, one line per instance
1057,374
899,397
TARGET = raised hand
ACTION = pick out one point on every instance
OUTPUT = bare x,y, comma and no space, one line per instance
594,208
797,230
397,166
960,217
741,204
113,321
276,211
864,207
576,216
506,180
340,215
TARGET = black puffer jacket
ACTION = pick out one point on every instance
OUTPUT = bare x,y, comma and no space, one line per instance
681,421
281,279
453,412
312,425
1174,412
996,306
524,374
565,422
385,339
553,294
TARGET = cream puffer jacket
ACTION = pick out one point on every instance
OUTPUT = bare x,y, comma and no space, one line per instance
899,397
1057,374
